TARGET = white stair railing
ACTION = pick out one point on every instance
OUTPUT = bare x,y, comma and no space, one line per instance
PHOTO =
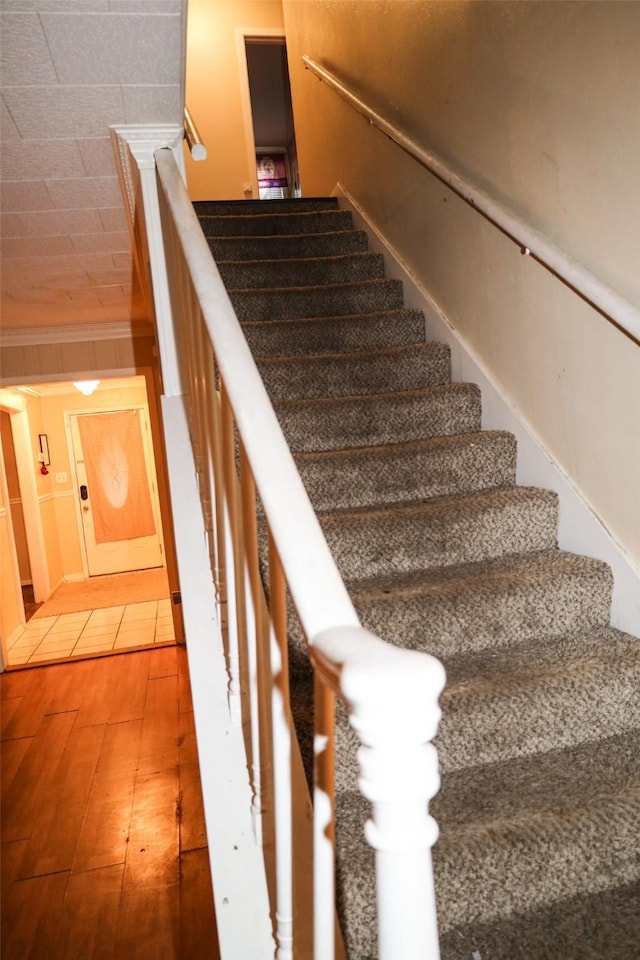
261,528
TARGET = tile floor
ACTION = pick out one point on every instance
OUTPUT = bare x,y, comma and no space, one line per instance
93,631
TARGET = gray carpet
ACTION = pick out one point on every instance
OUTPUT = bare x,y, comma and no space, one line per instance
539,746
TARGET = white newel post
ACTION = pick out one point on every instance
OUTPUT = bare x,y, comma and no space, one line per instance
135,146
399,775
392,696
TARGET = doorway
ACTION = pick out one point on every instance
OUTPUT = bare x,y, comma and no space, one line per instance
268,113
16,532
57,553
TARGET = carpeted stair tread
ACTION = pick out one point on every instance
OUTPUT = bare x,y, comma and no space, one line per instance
448,530
539,695
513,836
306,272
514,791
276,224
473,674
314,336
608,923
392,473
239,208
454,611
546,693
389,370
309,245
324,300
502,601
334,424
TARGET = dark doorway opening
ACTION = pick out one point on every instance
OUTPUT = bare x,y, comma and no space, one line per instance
272,118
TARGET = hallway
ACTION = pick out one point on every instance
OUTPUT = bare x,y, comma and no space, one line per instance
104,849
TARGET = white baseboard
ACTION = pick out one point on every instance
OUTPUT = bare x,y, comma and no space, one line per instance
580,530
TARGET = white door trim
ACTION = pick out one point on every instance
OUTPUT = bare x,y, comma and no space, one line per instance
26,466
5,513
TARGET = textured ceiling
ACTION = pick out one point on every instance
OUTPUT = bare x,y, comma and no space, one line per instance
69,69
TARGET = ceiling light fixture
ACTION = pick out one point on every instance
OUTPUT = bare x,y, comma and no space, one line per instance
86,386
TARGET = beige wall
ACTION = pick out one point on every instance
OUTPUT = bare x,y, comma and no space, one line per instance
537,103
214,92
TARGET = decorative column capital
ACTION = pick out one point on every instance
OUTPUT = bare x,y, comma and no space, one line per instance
135,146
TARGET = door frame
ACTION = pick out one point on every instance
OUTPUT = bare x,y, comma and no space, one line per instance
266,35
149,459
12,560
16,407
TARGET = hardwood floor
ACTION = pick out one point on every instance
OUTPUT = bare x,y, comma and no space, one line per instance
104,849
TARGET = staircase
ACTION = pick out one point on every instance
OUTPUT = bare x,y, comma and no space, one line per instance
539,746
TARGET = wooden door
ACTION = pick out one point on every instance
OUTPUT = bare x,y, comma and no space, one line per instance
116,490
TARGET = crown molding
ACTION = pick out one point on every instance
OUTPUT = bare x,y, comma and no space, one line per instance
11,399
135,145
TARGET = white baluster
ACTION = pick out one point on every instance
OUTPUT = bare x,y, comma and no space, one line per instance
323,822
394,710
234,557
281,726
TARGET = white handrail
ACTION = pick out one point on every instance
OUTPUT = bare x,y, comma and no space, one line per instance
604,298
392,693
311,571
192,136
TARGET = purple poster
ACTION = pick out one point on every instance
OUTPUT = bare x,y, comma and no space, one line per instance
272,170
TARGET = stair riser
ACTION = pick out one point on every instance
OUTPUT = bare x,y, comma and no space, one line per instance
364,422
302,273
279,224
479,462
511,874
549,933
294,338
425,539
540,828
278,248
531,871
571,709
415,367
479,614
540,710
504,728
325,301
252,208
501,614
